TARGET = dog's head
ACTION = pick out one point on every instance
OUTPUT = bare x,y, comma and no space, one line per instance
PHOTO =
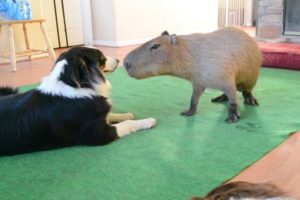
78,72
83,67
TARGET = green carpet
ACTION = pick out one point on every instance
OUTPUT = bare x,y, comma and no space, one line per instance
179,158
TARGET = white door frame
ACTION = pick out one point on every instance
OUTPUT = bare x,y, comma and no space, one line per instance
87,22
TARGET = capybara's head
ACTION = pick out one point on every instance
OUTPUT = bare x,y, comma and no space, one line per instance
152,58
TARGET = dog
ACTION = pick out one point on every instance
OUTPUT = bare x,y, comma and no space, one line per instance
70,107
245,191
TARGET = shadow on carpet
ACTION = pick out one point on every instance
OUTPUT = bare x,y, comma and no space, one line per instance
179,158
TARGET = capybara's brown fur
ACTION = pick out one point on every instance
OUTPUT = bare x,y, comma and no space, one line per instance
227,59
245,190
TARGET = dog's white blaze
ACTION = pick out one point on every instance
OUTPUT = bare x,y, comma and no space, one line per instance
58,69
51,85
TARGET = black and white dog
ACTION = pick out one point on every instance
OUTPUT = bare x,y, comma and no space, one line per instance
70,107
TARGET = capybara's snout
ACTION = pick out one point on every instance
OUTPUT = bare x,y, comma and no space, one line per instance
127,65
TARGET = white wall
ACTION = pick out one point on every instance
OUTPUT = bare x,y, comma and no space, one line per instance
126,22
104,22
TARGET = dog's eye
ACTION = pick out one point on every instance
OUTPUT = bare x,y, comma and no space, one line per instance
154,46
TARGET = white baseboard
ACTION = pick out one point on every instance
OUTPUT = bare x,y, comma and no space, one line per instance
121,43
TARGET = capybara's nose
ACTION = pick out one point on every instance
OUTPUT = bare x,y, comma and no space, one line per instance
127,65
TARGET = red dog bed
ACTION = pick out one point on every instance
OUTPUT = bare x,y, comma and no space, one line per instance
281,55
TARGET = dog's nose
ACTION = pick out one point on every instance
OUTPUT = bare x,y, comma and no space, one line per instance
118,61
127,65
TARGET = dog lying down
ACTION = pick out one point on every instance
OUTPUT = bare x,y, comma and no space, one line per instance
70,107
245,191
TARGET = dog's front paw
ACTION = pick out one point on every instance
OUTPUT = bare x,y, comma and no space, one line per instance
128,116
130,126
114,117
147,123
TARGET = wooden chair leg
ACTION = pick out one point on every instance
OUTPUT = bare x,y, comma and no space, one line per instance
26,39
12,52
49,46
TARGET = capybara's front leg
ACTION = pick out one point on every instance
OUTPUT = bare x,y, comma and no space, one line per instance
233,114
197,91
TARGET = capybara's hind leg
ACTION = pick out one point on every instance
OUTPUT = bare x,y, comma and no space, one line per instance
197,91
249,99
221,98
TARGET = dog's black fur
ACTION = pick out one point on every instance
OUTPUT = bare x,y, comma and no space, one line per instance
36,120
7,91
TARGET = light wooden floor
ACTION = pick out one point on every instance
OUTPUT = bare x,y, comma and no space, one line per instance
281,166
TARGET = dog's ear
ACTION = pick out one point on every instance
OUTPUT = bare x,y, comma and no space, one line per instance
81,75
76,74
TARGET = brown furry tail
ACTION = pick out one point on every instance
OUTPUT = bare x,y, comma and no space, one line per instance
241,190
4,91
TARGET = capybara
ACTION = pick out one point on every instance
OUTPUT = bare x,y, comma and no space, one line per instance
227,59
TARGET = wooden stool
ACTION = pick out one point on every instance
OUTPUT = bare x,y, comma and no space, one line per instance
12,55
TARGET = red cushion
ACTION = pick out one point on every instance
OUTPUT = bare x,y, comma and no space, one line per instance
281,55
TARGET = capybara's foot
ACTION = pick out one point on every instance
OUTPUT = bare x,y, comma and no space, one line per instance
233,115
188,113
221,98
232,118
249,99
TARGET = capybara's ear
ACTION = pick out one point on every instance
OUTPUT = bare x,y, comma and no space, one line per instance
173,39
165,33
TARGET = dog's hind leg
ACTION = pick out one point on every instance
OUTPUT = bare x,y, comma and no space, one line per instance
130,126
115,118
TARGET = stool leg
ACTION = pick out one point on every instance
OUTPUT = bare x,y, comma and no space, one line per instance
26,39
12,52
49,46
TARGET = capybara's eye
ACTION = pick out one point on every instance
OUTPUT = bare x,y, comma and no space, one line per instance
154,46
